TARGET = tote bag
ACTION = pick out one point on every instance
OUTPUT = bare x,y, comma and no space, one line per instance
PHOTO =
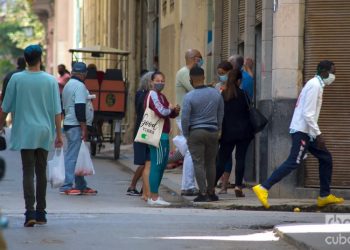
151,127
257,120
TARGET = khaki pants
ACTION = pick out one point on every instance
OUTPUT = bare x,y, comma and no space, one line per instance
203,146
2,242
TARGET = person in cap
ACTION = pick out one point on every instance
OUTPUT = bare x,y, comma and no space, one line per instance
202,114
306,136
33,96
75,99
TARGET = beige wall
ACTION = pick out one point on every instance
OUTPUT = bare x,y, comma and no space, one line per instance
64,33
288,47
181,29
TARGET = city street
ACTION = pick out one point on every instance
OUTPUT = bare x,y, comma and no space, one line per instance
113,220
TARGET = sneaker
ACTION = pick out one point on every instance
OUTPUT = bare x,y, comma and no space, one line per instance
133,192
40,217
213,197
72,191
262,194
157,202
201,198
223,191
30,218
89,191
330,199
190,192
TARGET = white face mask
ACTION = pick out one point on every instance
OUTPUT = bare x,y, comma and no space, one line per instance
330,79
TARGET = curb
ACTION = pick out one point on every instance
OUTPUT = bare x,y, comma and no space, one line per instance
291,240
279,208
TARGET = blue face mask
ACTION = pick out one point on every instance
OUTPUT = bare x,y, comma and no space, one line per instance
158,86
223,78
200,62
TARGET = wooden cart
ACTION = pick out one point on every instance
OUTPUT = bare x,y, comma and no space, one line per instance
110,87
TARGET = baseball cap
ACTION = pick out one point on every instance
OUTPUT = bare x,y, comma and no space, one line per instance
79,67
31,49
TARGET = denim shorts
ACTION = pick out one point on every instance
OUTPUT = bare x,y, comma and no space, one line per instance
141,153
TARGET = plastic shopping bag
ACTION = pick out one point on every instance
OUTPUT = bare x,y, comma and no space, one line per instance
56,169
84,164
181,144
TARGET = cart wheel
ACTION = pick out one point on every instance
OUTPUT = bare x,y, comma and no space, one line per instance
93,145
117,142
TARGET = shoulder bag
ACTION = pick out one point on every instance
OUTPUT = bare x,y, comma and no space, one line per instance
257,119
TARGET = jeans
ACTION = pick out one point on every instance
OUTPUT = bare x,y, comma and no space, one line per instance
34,160
73,136
203,145
225,155
300,144
159,160
187,166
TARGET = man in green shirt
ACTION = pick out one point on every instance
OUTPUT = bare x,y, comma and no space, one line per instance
193,57
32,97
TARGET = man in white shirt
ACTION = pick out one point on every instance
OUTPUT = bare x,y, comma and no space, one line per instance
193,57
306,136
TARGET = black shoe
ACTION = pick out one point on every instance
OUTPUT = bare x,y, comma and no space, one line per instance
132,192
190,192
41,217
201,198
213,197
30,218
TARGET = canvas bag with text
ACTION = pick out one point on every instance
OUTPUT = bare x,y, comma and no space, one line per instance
151,127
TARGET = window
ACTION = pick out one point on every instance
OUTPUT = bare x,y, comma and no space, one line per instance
172,5
164,5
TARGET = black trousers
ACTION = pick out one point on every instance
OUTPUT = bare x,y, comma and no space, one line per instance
224,155
34,161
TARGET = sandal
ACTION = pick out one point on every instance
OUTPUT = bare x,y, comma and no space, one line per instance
239,193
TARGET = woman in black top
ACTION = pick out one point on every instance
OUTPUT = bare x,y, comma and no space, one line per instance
141,151
236,129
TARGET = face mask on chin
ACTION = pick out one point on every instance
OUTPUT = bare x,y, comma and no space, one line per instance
330,79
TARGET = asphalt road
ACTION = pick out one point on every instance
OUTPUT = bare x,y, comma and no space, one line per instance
112,220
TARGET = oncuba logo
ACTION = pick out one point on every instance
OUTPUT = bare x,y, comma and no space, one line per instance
337,219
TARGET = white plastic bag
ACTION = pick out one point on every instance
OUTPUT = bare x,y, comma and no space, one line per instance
181,144
56,169
84,164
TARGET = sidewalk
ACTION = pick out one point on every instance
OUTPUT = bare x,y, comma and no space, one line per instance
172,180
304,236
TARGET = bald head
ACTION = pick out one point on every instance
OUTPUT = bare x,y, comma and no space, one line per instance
237,61
192,56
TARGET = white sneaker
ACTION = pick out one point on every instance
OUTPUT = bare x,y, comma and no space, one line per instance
157,202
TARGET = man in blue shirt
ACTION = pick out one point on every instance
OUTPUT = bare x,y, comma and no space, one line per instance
247,84
32,97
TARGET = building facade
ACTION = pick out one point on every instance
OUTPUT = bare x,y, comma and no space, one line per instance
285,38
60,20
